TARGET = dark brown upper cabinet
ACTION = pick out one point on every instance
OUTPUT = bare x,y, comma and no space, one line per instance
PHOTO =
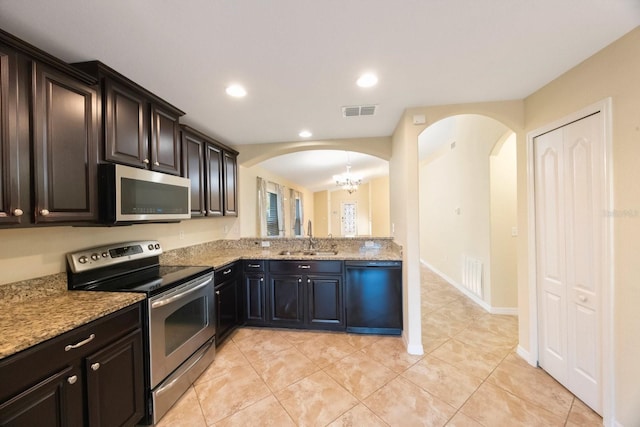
230,184
65,135
12,211
214,182
140,129
211,166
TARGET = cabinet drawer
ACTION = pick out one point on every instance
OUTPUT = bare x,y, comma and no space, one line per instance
305,267
254,265
225,273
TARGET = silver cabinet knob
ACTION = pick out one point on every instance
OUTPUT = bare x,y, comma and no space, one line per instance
44,212
203,212
72,379
156,163
309,281
95,366
17,212
262,279
145,161
217,292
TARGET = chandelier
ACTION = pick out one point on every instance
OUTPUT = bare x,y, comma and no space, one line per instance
348,181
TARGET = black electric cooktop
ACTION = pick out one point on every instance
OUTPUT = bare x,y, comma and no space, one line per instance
151,280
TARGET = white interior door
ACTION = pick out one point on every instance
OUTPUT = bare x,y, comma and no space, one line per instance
569,183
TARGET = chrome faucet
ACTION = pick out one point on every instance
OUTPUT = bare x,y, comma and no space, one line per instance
310,234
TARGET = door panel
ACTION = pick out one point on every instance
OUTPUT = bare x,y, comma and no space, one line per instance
569,186
551,261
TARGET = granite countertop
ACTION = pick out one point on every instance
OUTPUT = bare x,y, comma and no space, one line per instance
27,319
217,257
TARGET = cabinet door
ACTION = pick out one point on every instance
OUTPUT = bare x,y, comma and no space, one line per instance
65,148
193,168
55,401
286,302
230,184
165,144
254,294
11,209
325,302
115,383
126,126
227,309
214,161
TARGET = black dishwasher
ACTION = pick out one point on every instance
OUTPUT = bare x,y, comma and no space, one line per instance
374,297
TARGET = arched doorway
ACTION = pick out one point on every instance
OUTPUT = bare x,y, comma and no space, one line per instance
468,208
309,170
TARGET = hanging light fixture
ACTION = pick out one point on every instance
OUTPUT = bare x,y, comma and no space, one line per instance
348,181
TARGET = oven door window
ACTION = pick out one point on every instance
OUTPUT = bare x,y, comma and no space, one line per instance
184,323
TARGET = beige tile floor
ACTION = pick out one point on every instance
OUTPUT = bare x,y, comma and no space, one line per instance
468,376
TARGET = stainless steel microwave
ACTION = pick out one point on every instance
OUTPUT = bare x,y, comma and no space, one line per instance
129,195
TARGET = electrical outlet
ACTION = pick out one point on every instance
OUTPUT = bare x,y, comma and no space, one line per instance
265,244
514,231
181,235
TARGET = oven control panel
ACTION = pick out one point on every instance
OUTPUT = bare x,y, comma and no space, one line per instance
103,256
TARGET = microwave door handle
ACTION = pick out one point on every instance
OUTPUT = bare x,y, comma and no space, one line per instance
173,298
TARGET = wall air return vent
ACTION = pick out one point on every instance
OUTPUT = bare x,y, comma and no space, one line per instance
358,110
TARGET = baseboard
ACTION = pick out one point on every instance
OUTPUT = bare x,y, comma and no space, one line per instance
414,349
511,311
526,356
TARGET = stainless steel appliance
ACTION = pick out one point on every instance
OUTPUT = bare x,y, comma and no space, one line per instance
179,311
130,195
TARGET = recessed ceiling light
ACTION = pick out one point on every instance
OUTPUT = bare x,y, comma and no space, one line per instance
367,80
305,134
236,90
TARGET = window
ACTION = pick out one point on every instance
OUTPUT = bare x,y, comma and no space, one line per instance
297,224
272,214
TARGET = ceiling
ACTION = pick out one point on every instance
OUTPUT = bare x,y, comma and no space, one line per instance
299,59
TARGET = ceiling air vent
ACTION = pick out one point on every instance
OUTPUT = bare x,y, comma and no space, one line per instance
359,110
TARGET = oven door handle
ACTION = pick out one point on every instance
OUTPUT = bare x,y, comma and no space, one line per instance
173,298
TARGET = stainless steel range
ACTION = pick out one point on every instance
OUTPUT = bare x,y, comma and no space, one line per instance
180,317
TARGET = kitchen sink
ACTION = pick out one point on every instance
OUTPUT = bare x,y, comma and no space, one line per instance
313,252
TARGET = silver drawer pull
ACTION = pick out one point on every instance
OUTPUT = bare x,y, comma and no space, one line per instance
95,366
226,272
72,379
80,344
305,267
253,265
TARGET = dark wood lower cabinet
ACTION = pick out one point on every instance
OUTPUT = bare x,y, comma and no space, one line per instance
254,297
286,300
54,401
115,378
297,294
91,376
325,302
227,292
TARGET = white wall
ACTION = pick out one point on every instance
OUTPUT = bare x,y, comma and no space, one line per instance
504,218
455,199
34,252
